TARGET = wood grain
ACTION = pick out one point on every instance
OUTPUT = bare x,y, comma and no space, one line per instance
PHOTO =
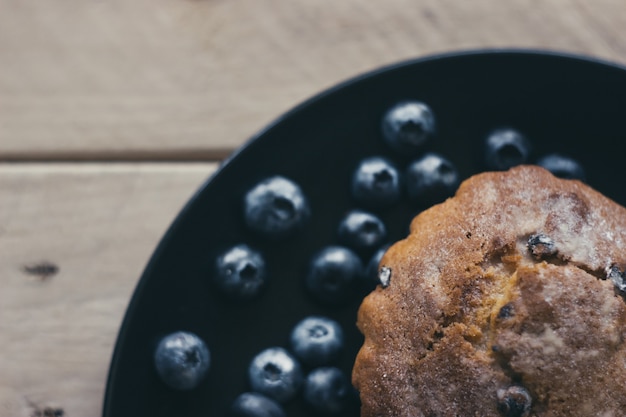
97,224
173,79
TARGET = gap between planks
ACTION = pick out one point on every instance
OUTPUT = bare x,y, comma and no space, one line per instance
53,167
108,156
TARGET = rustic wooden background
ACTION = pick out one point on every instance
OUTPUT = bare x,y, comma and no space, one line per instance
112,112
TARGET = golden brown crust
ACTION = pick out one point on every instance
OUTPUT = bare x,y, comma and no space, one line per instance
472,309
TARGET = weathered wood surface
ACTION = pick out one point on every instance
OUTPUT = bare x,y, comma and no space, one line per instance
177,79
74,240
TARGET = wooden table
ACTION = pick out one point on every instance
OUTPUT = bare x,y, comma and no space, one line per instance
112,113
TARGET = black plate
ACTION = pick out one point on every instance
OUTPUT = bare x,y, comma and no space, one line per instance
564,104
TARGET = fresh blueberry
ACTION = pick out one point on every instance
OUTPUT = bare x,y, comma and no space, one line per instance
327,390
431,179
276,207
253,404
562,166
240,272
275,373
376,183
333,274
182,360
362,231
506,148
371,271
407,125
317,340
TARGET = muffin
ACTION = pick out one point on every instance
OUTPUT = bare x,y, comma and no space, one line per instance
505,300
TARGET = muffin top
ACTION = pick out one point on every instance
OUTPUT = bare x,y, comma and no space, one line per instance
505,300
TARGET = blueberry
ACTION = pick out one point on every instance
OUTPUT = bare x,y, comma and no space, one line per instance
431,179
514,401
617,277
317,340
240,272
276,207
182,360
362,231
333,274
562,166
506,148
541,246
252,404
275,373
384,276
376,183
371,271
408,125
327,390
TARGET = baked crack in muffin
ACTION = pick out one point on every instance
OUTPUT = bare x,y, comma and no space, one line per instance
506,300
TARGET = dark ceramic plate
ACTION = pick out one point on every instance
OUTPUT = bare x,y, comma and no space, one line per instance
565,104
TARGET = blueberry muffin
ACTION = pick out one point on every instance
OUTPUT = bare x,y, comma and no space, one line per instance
506,300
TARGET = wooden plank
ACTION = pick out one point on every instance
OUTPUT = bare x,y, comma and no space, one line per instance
173,78
74,240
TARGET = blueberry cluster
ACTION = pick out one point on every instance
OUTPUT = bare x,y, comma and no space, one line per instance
430,178
276,209
276,375
507,147
379,184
